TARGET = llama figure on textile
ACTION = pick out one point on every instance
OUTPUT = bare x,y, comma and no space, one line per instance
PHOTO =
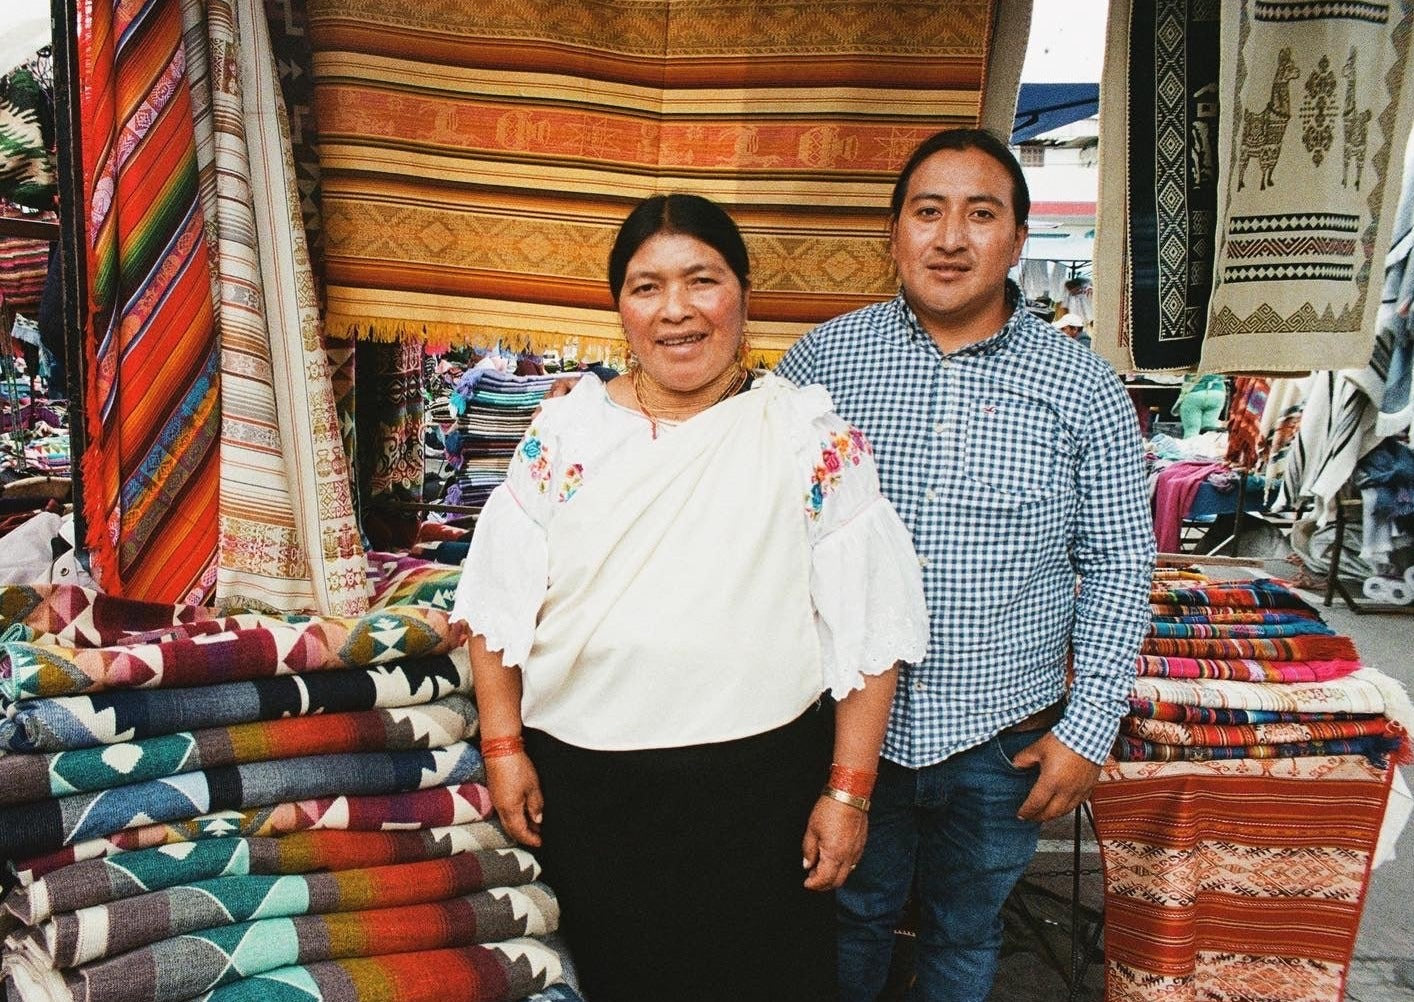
1262,132
1357,127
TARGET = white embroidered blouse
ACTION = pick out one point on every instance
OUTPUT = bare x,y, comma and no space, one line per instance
703,586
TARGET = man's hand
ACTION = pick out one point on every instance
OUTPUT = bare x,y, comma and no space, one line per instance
1065,781
515,793
834,841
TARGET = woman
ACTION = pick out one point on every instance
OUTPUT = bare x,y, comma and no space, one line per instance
675,571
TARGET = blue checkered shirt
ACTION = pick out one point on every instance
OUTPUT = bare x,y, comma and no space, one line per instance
1016,464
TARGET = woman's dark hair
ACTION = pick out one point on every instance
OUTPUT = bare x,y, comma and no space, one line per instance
690,215
959,140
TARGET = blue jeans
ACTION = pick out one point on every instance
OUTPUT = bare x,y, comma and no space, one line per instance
954,826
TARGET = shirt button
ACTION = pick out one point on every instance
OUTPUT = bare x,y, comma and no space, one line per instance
930,494
940,428
918,686
922,561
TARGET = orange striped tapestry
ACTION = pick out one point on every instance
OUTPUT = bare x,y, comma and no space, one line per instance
1240,879
478,157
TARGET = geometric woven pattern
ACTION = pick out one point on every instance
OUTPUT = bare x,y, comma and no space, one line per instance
476,158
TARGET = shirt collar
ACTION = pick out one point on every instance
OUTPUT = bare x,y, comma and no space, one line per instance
987,345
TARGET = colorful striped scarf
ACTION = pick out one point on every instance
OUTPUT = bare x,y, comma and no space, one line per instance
1317,648
1377,749
1244,670
1220,715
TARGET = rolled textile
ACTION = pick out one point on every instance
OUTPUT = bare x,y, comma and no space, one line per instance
1377,749
106,930
1210,715
125,875
1262,593
186,966
1244,669
439,807
278,648
1333,648
1236,735
71,722
47,825
26,778
498,972
1245,631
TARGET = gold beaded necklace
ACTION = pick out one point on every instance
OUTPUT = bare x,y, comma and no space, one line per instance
736,377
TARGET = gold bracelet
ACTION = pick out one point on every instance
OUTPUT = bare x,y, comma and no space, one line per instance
845,797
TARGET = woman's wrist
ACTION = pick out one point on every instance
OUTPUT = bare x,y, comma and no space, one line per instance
511,744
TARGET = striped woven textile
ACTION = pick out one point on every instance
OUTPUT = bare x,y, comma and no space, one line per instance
1235,879
502,972
105,930
184,967
26,778
288,537
142,871
1229,735
1375,748
47,825
1197,629
1234,596
1217,715
151,466
460,804
24,264
1244,670
1307,648
477,158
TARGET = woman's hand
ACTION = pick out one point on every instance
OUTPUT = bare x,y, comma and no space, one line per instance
834,841
515,793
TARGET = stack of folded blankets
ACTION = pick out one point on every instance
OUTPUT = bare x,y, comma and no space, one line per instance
497,412
1245,670
1252,789
407,579
252,807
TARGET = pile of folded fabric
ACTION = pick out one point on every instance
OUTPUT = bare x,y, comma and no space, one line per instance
1253,787
249,806
497,410
406,579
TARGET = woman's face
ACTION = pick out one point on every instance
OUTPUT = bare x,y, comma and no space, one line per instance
683,311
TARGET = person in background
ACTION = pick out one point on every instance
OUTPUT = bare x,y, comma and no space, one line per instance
1014,459
678,568
1072,326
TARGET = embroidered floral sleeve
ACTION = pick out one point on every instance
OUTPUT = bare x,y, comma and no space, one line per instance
536,457
839,451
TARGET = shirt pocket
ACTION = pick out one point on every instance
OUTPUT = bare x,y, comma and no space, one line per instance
1016,447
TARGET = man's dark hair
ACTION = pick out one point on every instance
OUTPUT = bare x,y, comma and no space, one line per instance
959,140
690,215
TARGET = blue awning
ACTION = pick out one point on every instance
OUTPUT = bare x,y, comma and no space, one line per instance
1041,107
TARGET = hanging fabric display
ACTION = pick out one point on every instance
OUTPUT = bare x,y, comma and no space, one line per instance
1323,99
1159,120
477,158
150,469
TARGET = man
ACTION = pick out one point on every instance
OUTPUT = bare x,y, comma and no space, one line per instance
1013,455
1072,326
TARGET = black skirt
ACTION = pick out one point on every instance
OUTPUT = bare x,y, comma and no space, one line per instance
678,869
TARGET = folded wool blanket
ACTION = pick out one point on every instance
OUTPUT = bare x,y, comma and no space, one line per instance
128,874
79,617
29,670
1217,618
439,807
1352,694
1276,649
188,965
1262,593
1246,631
47,825
69,722
102,931
25,778
1244,670
1209,715
1227,613
1238,735
403,580
1376,749
498,972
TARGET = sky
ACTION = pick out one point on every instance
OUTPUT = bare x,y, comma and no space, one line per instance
1067,43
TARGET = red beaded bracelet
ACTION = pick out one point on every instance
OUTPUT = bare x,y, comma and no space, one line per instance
499,747
855,781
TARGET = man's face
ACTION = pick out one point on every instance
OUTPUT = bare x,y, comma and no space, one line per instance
955,240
